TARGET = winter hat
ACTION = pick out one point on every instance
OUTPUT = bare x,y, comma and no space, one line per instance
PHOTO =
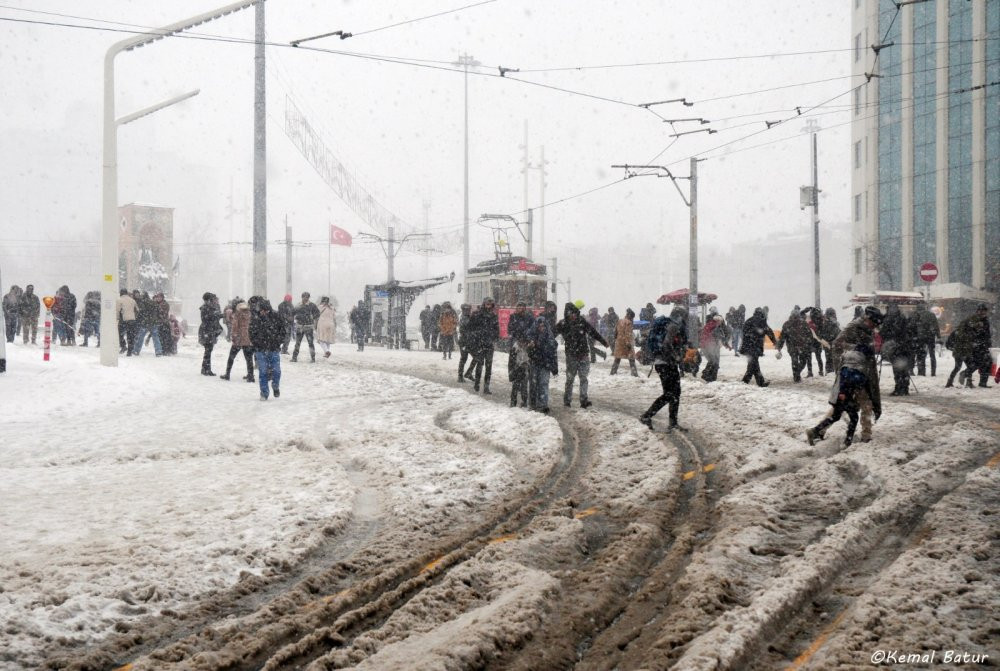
207,296
872,313
570,309
678,313
578,304
713,310
288,297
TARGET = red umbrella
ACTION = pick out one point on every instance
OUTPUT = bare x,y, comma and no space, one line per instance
681,296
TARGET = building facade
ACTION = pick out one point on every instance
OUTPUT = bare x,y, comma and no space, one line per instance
926,146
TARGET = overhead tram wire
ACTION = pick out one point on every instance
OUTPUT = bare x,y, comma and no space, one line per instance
423,18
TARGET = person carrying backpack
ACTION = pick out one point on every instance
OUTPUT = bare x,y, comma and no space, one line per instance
664,348
851,379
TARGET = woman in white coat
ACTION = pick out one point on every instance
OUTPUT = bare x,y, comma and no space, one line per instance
326,326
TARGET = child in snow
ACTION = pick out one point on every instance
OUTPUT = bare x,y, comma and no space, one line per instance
844,395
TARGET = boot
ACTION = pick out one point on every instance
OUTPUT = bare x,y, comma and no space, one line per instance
250,378
646,421
225,376
486,390
461,379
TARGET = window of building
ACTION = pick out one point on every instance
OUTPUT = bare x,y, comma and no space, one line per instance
857,260
857,47
857,207
857,101
857,154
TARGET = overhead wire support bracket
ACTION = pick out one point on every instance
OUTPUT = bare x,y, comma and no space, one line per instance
504,71
710,131
629,172
698,119
683,101
343,34
879,47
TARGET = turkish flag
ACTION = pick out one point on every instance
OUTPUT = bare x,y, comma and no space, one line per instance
339,236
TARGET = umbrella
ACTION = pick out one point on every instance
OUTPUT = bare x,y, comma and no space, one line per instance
681,296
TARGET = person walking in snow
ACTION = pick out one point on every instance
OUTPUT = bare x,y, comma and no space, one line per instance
859,336
239,339
127,311
267,333
577,334
425,326
828,331
795,333
326,325
435,328
464,339
928,331
148,322
359,322
624,343
666,345
755,329
30,308
306,314
447,327
12,312
714,336
209,330
851,379
286,310
484,328
518,360
542,348
898,338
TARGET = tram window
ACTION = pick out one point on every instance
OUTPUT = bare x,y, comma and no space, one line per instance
538,296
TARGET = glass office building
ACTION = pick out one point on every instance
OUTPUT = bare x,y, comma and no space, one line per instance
926,146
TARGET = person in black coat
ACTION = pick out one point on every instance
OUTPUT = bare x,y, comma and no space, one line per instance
928,331
267,333
898,339
667,359
464,338
577,334
796,334
755,330
518,326
484,327
209,330
286,310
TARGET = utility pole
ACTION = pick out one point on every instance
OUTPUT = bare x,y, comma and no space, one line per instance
288,257
555,280
391,246
525,164
466,61
531,232
541,203
259,161
427,258
809,195
693,252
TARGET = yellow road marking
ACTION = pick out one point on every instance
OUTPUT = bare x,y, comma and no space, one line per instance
501,539
690,474
994,462
127,667
817,644
585,513
432,565
709,468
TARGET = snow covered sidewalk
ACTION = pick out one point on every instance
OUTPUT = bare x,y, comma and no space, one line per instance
144,489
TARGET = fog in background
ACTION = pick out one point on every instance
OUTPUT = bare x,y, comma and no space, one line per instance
399,127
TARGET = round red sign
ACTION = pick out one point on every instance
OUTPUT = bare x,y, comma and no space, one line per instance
928,272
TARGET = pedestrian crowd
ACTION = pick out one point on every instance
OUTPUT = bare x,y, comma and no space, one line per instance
672,345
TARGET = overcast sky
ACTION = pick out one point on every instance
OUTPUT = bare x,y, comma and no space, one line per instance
400,126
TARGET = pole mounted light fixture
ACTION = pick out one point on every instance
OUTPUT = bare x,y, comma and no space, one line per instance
109,198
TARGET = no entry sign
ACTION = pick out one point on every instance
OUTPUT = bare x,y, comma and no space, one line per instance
928,272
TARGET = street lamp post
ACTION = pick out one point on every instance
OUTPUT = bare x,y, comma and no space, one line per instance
109,219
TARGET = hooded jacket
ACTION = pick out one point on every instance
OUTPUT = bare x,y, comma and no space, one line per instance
755,330
574,333
856,336
542,345
484,330
267,331
240,330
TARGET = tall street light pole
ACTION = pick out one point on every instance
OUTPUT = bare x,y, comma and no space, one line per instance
466,61
109,217
259,161
813,199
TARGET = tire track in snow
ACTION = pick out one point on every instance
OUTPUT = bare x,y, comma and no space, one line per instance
794,623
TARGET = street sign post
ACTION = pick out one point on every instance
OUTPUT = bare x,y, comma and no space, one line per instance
928,273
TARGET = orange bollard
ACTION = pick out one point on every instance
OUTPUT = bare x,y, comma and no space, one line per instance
48,301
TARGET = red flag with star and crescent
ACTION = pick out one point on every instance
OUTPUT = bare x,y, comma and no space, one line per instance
339,236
